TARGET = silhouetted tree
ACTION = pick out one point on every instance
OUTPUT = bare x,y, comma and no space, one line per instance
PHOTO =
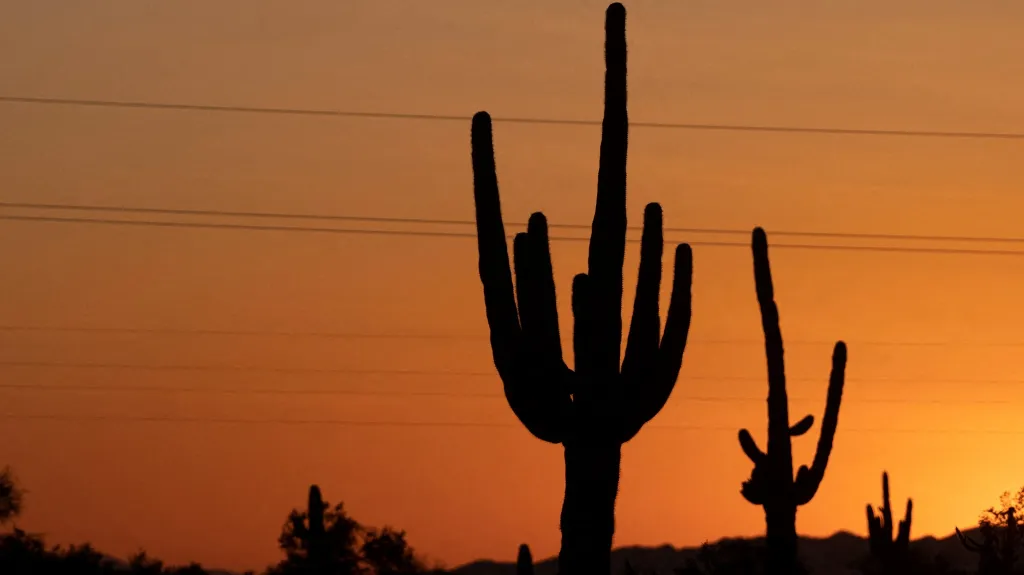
10,496
320,540
593,410
1001,538
386,552
771,484
524,561
890,556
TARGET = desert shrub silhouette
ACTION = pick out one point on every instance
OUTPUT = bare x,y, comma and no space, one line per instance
597,407
771,484
889,556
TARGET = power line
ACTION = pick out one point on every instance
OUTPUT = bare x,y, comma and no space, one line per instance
438,424
468,374
508,120
675,398
471,223
438,234
462,337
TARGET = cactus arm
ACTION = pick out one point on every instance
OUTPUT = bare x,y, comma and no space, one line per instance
903,539
531,386
801,427
495,272
543,327
654,393
750,447
645,325
886,508
808,481
967,542
608,237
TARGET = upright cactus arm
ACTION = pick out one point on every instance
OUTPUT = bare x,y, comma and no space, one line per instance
808,480
315,511
650,369
903,536
528,359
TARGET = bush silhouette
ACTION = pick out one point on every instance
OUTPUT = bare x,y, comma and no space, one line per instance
771,484
593,410
10,496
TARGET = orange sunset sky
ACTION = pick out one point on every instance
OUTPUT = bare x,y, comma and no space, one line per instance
934,377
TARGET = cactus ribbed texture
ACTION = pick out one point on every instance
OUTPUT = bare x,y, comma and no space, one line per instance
524,562
890,554
597,407
771,484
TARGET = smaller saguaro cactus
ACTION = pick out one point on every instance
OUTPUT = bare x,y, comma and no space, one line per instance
890,554
524,562
317,550
771,484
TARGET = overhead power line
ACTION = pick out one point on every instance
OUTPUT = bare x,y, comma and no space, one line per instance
460,337
470,235
675,398
510,120
514,224
441,424
491,374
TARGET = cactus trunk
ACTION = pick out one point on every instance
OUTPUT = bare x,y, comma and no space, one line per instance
588,510
781,539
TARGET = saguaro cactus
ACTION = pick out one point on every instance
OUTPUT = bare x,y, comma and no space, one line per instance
524,562
595,408
890,554
317,553
771,484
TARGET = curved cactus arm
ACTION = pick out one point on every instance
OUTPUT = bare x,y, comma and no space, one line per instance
645,325
750,447
968,543
650,370
608,236
801,427
808,480
528,383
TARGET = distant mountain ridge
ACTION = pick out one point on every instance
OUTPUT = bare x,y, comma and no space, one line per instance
834,555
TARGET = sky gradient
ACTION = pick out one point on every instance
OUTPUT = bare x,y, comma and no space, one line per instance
933,339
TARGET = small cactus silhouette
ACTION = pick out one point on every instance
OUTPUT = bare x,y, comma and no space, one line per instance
524,561
891,555
317,551
771,484
600,405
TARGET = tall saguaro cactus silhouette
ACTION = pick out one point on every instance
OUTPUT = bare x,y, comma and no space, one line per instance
771,484
597,407
890,554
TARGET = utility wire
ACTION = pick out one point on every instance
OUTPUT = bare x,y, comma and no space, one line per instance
439,234
457,222
441,424
456,337
510,120
675,398
466,374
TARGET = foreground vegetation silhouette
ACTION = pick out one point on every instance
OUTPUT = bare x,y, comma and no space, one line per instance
593,410
890,556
